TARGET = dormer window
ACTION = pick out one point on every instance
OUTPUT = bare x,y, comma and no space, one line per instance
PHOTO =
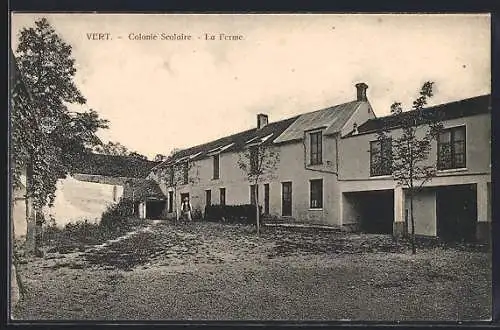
316,155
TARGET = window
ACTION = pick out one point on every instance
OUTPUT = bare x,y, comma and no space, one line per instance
316,194
216,159
451,148
222,196
254,159
316,148
185,169
170,201
381,157
254,193
208,197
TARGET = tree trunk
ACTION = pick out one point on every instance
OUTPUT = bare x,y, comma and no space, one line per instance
30,246
257,210
175,206
14,285
413,249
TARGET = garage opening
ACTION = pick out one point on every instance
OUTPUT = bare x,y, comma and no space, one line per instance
374,209
456,211
155,209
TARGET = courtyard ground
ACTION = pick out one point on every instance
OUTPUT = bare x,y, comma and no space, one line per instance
209,271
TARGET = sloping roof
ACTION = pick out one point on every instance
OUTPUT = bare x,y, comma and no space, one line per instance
234,142
114,166
446,111
332,118
144,189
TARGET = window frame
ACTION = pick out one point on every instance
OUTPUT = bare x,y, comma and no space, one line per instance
316,149
316,197
383,145
254,197
453,162
216,169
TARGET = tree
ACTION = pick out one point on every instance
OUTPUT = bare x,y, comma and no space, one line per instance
259,162
408,156
117,149
159,158
47,138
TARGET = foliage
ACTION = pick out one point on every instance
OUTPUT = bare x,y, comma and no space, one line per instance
117,149
258,162
245,213
196,214
159,158
78,235
47,139
409,157
117,215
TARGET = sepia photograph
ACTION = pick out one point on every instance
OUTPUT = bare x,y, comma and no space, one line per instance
250,167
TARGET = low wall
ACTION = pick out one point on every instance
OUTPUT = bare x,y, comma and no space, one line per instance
78,200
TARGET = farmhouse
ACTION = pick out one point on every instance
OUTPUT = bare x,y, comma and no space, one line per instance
325,172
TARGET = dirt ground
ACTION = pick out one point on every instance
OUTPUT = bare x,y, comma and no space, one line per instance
208,271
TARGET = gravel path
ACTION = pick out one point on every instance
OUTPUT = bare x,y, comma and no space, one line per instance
206,271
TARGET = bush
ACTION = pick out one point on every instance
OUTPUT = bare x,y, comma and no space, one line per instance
116,215
231,213
196,214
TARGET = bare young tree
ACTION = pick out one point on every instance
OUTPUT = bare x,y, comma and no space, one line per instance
258,162
407,153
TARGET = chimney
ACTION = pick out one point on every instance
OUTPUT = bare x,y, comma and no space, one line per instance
361,91
261,120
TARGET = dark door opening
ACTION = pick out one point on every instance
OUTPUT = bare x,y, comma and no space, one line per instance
286,198
154,209
456,211
376,211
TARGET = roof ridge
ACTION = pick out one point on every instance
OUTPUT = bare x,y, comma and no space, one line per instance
238,133
434,106
333,106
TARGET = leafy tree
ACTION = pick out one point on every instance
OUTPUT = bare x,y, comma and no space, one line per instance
259,162
411,143
117,149
47,138
159,158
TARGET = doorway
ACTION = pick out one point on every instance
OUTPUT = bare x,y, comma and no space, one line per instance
155,209
286,199
456,211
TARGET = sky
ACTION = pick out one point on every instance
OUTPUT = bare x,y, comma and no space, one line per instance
165,94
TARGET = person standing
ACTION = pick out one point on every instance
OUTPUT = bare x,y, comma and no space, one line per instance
186,209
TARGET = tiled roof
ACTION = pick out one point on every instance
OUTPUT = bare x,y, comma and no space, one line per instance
458,109
332,118
235,142
114,166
